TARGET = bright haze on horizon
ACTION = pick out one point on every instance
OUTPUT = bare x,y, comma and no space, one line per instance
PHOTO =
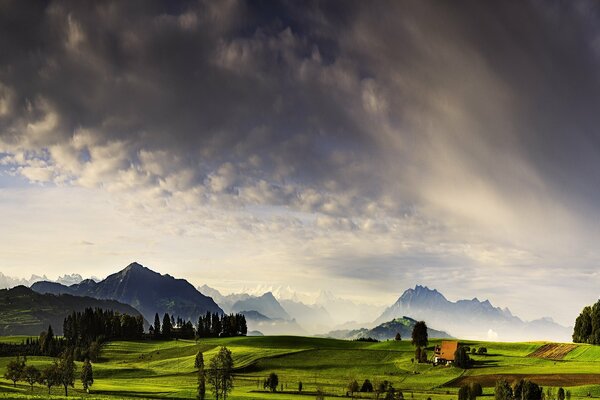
355,147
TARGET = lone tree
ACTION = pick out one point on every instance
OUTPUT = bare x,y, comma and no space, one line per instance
475,390
199,364
464,392
50,376
367,386
398,337
419,334
272,382
31,375
503,391
420,339
14,370
166,327
300,387
87,375
66,371
561,394
353,387
220,375
156,326
461,358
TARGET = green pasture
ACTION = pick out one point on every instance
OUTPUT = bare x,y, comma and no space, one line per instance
164,369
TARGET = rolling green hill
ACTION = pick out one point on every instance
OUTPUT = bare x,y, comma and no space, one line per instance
151,369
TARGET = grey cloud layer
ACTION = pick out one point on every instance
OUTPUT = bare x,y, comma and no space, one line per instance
444,133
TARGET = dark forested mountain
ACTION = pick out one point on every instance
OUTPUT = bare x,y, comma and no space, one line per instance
387,330
471,318
26,312
144,289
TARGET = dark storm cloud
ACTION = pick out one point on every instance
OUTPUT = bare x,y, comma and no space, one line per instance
467,114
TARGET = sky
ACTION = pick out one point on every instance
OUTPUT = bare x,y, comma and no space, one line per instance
357,147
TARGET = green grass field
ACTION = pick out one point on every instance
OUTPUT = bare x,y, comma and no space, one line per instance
150,369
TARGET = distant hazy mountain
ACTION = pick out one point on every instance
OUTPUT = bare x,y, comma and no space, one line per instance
26,312
144,289
271,326
387,330
314,318
226,302
344,310
471,319
266,304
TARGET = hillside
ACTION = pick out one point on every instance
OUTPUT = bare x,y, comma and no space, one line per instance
25,312
165,369
386,330
144,289
473,319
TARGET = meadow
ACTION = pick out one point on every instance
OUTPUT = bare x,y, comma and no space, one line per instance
164,369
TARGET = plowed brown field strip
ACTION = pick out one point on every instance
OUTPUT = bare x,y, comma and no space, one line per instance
553,351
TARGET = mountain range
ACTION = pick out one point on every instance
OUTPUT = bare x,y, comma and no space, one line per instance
26,312
150,293
146,290
471,319
7,282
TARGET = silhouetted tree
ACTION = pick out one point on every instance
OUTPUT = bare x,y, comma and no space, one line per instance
220,375
419,334
14,370
464,392
503,391
166,327
299,387
31,375
156,326
560,394
50,376
272,382
353,387
367,386
199,364
461,358
398,337
66,370
87,375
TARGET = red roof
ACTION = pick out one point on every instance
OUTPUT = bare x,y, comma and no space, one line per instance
447,350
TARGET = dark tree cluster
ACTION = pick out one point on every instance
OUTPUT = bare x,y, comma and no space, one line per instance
470,392
172,328
461,358
86,331
587,325
215,325
46,345
522,389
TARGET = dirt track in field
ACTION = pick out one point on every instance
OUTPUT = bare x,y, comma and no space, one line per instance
540,379
553,351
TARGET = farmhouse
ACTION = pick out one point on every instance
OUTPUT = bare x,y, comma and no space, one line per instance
444,353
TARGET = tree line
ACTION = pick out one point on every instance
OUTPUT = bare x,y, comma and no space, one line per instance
587,325
524,389
209,325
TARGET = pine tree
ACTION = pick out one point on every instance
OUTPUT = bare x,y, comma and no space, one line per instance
156,326
166,327
199,364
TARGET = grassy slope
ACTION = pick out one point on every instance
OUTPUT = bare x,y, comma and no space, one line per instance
165,369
